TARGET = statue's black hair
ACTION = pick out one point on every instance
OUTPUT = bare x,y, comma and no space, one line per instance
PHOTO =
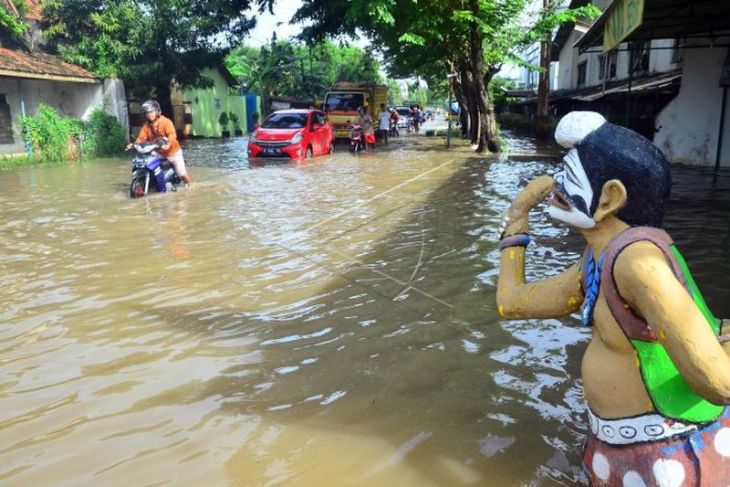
615,152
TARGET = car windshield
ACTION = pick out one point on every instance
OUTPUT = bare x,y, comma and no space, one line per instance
348,102
285,121
403,112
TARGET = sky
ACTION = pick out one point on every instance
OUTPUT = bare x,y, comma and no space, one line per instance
266,23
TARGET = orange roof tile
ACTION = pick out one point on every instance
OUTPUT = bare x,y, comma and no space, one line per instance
40,65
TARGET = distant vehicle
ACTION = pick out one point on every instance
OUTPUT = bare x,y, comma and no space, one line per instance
293,133
404,113
357,138
344,98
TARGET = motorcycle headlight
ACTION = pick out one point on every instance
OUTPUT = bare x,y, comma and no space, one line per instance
297,138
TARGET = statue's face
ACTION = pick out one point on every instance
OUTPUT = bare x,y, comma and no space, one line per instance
572,196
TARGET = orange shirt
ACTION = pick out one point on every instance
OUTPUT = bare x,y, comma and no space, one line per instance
163,127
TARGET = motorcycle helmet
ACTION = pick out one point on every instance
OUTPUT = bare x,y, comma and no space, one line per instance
151,106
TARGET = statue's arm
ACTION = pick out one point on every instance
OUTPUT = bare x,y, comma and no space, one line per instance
553,297
549,298
647,283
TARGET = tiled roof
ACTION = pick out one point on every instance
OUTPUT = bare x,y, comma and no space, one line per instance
24,64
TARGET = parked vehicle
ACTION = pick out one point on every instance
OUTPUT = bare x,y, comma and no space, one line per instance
357,138
343,100
293,133
151,171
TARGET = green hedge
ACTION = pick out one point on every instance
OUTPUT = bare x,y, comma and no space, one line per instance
53,137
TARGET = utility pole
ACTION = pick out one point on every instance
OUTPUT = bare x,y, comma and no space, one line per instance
543,84
448,112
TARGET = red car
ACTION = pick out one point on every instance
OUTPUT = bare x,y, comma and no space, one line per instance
294,134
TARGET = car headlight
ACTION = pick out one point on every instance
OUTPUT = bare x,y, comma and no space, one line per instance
252,138
297,138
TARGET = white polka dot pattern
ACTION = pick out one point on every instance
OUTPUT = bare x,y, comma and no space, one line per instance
633,479
722,442
668,473
601,467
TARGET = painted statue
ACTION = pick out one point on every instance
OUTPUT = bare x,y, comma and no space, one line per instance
656,372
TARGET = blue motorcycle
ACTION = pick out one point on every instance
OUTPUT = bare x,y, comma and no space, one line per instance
151,171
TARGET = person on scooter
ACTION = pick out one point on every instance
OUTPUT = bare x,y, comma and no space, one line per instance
156,126
394,122
366,121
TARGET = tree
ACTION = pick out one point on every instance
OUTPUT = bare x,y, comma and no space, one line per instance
147,43
472,38
289,68
11,21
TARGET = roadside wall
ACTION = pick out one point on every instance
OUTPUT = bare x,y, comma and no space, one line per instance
76,100
688,126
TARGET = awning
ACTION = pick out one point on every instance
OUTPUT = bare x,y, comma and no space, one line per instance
666,19
637,88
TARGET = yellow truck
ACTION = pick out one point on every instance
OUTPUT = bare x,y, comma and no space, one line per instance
344,98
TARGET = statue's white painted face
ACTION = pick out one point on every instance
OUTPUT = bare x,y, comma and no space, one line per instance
572,196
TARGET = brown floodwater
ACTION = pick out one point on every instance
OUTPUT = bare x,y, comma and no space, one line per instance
329,323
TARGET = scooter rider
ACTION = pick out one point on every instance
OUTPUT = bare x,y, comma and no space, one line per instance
157,126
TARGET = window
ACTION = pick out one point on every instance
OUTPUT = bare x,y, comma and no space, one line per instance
639,57
285,120
582,68
677,51
348,102
607,62
6,122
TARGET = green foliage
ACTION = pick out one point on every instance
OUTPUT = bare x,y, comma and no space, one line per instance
54,137
395,93
147,43
223,120
286,68
496,92
106,135
8,163
235,121
15,26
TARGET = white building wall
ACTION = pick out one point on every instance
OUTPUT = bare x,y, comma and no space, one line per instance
688,125
75,100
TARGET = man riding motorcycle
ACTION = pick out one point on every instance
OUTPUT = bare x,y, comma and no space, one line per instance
157,126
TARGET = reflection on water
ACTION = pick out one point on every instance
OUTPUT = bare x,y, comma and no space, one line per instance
294,322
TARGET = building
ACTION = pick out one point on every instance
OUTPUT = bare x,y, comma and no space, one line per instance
630,84
197,111
29,77
692,127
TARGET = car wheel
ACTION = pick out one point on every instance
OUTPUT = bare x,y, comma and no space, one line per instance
308,154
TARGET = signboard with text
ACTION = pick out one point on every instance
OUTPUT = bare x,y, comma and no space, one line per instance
625,16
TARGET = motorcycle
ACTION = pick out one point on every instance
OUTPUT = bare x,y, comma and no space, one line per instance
151,171
357,138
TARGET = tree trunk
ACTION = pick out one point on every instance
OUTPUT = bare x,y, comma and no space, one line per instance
543,85
488,139
471,103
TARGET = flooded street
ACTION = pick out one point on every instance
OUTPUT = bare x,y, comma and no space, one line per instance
327,323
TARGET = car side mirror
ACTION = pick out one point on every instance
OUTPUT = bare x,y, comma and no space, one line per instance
316,126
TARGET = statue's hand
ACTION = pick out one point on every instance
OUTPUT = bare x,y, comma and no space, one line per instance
516,219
